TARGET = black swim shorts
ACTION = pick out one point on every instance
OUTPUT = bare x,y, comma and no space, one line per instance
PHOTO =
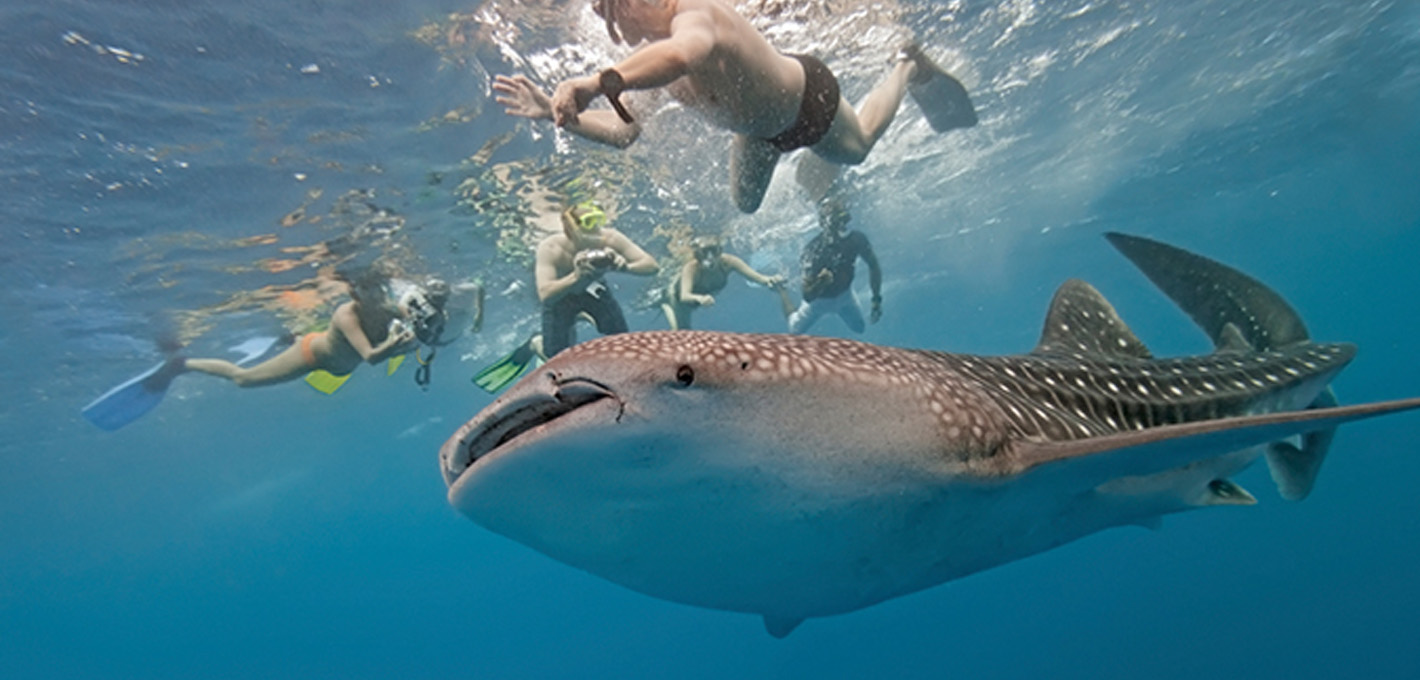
816,111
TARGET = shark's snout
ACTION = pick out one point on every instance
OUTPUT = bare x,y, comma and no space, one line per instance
529,408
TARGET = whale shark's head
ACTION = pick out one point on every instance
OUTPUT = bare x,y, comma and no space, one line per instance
639,456
693,390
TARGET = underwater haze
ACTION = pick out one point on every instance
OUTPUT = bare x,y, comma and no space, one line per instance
181,174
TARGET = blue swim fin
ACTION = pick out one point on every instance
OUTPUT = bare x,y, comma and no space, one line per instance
942,98
252,349
129,401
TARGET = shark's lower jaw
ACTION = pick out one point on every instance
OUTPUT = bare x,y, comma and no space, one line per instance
516,418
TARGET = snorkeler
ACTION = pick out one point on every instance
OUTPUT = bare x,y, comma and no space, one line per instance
706,274
713,60
828,263
369,328
568,273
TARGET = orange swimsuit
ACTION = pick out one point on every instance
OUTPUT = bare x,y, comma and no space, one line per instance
308,354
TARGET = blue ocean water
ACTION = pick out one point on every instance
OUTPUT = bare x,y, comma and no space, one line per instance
167,161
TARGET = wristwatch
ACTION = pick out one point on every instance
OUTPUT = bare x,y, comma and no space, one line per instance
612,85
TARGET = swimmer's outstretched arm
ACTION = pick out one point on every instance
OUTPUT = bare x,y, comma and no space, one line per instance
638,261
521,97
746,271
658,64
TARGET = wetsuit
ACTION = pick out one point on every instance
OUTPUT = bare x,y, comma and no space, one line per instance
559,318
838,256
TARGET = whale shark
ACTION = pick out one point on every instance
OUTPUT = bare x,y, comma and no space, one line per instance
795,477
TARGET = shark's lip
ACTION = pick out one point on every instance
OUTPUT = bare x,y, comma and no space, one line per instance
515,418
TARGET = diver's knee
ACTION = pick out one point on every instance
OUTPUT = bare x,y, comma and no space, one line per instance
748,201
854,155
242,380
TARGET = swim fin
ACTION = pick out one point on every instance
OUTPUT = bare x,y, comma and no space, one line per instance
942,98
252,349
501,373
325,381
129,401
394,363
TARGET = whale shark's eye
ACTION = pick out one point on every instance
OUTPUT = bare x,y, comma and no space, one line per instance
685,375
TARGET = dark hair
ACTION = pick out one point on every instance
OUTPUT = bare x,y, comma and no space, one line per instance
372,307
437,291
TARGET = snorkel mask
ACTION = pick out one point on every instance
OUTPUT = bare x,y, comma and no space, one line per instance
588,216
707,250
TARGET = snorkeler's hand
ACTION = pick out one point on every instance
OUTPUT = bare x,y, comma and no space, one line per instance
818,281
571,98
521,97
584,268
618,262
396,328
774,282
705,300
877,310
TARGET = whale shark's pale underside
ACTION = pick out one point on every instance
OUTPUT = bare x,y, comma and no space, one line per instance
795,477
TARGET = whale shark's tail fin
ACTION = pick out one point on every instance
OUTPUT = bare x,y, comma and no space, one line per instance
1239,313
1215,295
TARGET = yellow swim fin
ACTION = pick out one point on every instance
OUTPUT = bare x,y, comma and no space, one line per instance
393,364
326,381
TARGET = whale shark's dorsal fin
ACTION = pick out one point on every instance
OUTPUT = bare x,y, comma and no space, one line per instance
1081,321
1214,294
779,626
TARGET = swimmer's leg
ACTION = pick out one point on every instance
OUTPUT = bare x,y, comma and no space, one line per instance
854,133
288,365
851,312
752,163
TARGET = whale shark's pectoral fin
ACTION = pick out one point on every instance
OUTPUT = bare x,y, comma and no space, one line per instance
1294,468
780,626
1087,463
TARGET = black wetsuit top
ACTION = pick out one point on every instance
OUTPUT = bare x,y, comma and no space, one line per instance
837,256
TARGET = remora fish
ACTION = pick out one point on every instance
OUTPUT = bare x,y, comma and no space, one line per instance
795,477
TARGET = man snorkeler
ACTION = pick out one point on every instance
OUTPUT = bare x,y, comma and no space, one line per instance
713,60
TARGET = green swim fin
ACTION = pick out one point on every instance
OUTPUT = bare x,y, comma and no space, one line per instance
942,98
326,381
501,373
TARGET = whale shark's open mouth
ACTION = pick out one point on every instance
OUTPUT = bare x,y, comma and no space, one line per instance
518,417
